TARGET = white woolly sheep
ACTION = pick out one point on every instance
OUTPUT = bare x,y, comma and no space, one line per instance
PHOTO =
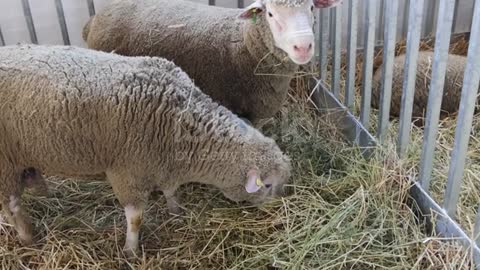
140,120
451,94
243,59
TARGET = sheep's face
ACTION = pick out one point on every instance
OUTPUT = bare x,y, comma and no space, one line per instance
257,186
291,24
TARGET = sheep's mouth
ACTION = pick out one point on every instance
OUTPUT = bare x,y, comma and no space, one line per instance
302,60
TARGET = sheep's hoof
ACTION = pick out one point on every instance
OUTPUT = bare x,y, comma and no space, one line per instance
26,240
130,252
177,211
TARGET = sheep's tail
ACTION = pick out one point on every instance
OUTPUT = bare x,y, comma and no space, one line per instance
86,29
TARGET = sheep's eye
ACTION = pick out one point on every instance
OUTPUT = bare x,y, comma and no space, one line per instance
268,185
270,14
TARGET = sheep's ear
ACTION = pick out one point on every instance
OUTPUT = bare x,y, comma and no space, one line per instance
251,11
254,183
326,3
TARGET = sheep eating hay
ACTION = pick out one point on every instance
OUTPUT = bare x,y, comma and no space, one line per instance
451,93
243,59
70,111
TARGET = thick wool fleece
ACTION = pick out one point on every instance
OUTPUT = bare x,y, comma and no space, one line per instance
70,111
233,61
452,90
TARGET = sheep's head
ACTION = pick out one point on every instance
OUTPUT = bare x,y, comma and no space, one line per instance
261,180
291,24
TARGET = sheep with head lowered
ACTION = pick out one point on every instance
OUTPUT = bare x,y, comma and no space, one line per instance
140,120
244,59
451,94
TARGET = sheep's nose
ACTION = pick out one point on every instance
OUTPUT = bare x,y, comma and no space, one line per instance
303,49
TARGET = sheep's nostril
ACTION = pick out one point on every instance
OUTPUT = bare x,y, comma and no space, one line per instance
304,49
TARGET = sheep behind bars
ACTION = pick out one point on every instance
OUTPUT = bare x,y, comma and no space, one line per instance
244,59
452,90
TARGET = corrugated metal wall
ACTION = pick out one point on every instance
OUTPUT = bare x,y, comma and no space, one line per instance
14,27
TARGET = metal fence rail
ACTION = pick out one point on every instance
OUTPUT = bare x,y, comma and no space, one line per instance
390,33
61,21
2,41
442,44
29,20
352,53
91,7
413,44
370,10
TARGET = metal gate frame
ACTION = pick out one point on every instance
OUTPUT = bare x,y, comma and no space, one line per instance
356,130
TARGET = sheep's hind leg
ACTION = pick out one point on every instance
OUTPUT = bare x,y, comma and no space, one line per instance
10,198
173,204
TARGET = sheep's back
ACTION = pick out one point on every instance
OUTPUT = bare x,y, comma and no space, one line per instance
171,29
207,42
452,89
67,106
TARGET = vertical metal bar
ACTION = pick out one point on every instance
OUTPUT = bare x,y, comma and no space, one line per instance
430,16
464,123
413,44
455,16
435,95
337,58
2,40
379,35
211,2
28,18
61,21
390,35
368,55
323,31
352,53
405,18
476,229
240,3
91,8
331,24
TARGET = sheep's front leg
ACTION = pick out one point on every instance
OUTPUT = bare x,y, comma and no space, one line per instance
133,196
134,216
18,217
173,204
